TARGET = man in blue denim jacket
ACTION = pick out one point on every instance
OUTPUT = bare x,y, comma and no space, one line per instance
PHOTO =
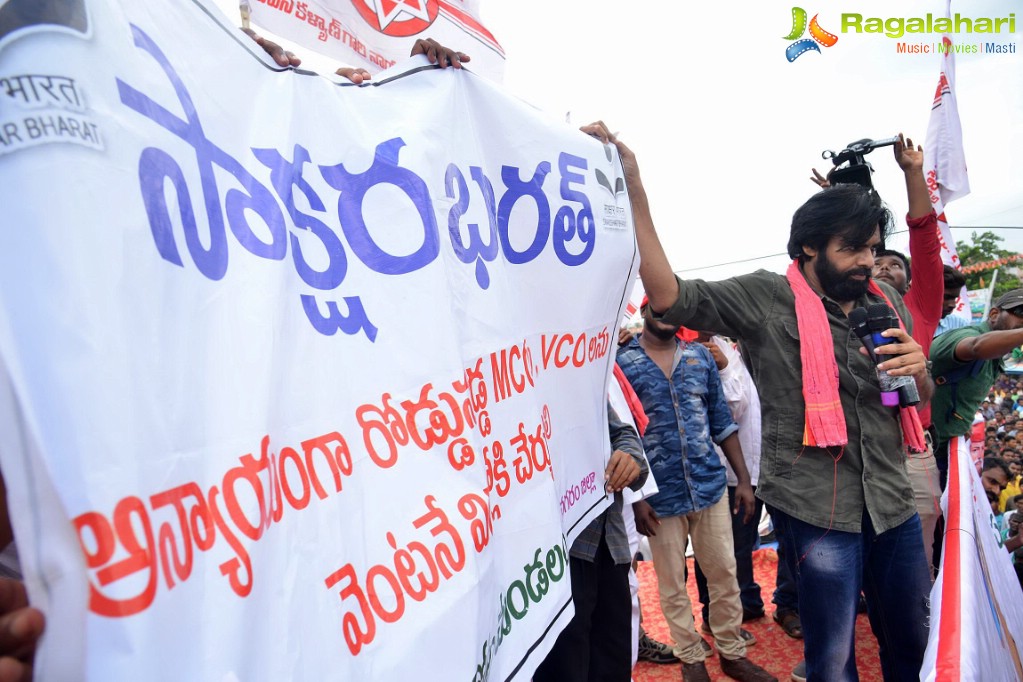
681,392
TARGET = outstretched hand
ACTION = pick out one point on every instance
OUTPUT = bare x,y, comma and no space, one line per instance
910,160
438,54
276,52
434,51
820,180
355,75
599,130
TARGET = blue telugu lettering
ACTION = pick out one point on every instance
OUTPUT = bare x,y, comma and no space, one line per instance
518,189
482,245
353,187
285,176
567,223
477,250
155,166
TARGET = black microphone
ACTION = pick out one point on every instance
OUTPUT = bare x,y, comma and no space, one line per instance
858,322
880,317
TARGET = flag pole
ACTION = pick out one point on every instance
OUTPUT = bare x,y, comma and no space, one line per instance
990,294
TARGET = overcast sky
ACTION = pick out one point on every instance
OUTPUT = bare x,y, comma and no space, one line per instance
726,129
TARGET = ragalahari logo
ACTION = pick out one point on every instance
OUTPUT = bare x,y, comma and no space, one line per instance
398,18
817,35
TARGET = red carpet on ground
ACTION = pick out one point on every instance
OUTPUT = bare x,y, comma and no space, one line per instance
774,650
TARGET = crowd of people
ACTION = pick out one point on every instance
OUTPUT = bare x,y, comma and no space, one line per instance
761,390
1002,412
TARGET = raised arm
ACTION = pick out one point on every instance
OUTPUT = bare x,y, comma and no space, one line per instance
927,288
911,161
655,271
988,346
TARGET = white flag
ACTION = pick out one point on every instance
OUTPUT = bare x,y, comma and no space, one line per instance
374,34
944,159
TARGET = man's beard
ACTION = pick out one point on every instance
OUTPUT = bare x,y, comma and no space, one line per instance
840,285
660,332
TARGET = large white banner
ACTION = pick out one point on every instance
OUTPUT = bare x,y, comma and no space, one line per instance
300,380
374,34
976,609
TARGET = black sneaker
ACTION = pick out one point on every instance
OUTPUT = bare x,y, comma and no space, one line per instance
748,637
799,672
652,651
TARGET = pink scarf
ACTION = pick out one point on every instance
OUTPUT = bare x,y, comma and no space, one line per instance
824,423
635,405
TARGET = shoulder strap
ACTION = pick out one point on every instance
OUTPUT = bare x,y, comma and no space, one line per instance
957,374
953,377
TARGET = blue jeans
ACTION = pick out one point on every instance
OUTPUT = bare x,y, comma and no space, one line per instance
832,569
786,598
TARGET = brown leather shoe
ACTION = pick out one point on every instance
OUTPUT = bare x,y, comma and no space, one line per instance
745,670
695,672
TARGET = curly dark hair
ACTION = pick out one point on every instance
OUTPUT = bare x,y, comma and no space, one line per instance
851,211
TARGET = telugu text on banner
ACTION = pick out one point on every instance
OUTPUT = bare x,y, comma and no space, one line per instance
300,379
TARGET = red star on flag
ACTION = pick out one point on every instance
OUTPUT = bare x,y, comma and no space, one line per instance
389,10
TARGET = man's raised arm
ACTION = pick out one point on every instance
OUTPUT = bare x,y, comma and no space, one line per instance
655,271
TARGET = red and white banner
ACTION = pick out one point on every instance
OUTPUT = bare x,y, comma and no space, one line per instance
976,607
374,34
944,158
294,385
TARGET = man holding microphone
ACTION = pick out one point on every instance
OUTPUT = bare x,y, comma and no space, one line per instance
833,456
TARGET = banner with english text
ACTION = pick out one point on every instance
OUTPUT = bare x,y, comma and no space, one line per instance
299,380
